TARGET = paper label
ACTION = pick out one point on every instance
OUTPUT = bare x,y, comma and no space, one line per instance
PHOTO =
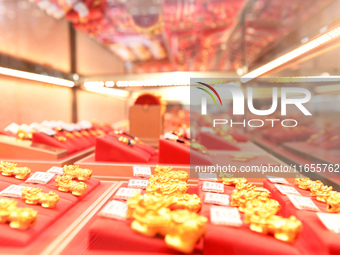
287,189
115,210
56,170
213,187
12,191
170,136
126,193
219,199
138,183
142,171
274,179
13,128
48,131
331,221
207,176
303,203
229,216
40,178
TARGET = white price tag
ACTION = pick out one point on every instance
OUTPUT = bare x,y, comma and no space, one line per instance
115,210
56,170
219,199
126,193
142,171
229,216
13,128
40,177
213,187
287,189
170,136
12,191
48,131
331,221
138,183
274,179
303,203
207,176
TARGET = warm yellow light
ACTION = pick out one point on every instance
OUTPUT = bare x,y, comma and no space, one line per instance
36,77
327,88
108,91
322,39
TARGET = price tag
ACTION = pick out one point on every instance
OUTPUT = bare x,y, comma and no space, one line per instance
142,171
229,216
331,221
213,187
40,178
12,191
287,189
219,199
115,210
303,203
56,170
207,176
274,179
48,131
13,128
126,193
170,136
138,183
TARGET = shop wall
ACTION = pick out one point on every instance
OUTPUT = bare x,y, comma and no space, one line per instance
95,59
28,33
23,101
100,107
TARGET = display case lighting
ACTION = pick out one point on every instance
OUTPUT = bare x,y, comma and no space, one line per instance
36,77
150,83
93,87
320,40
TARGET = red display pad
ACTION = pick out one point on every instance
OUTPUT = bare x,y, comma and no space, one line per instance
281,135
145,147
216,142
19,238
220,240
49,140
108,149
172,152
315,238
117,236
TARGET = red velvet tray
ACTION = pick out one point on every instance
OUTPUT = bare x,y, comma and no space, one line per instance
239,241
43,164
15,237
315,238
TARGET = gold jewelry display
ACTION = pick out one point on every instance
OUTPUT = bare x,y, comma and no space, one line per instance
151,216
19,218
169,172
65,184
34,196
11,169
171,187
77,173
186,201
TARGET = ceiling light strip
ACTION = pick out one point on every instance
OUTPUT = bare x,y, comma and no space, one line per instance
325,38
36,77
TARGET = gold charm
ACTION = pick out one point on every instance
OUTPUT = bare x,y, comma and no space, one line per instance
333,203
31,195
49,200
77,173
65,184
186,201
20,218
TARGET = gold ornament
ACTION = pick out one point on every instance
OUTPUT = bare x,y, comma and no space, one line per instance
333,203
65,184
169,172
20,218
34,196
186,201
77,173
151,216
